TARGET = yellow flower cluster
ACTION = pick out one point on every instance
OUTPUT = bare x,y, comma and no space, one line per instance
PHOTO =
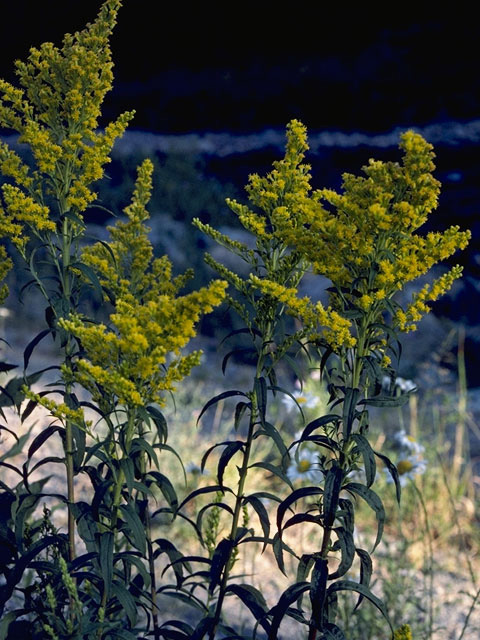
405,319
403,633
5,266
336,328
138,356
56,111
364,239
59,410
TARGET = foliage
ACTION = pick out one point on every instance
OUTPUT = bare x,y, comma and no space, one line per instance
102,578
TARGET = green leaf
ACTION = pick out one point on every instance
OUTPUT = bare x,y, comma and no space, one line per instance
126,601
242,350
203,628
221,396
197,492
140,444
106,559
135,527
333,484
239,411
279,610
318,590
4,366
366,569
374,502
165,546
90,275
209,451
269,430
32,344
347,549
17,447
160,423
86,525
166,488
392,469
349,585
319,422
368,457
262,514
349,405
42,437
278,471
290,395
254,600
227,454
293,497
221,556
260,387
386,401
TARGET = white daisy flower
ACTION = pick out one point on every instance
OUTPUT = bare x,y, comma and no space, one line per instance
304,399
407,443
408,468
304,466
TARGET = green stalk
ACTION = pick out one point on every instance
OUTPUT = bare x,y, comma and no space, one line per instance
241,486
69,450
117,493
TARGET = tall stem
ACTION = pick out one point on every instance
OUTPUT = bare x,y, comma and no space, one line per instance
69,450
240,491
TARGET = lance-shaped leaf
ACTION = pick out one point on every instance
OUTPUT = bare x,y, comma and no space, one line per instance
347,549
386,401
293,497
126,600
366,569
349,585
278,471
373,501
368,455
260,387
393,471
262,514
349,413
269,430
134,529
41,438
202,490
106,559
221,396
318,590
279,610
254,600
333,484
220,558
166,488
227,454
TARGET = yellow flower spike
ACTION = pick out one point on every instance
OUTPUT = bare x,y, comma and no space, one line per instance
403,633
137,357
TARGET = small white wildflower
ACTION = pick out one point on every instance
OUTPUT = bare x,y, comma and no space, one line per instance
408,468
405,385
195,470
303,399
304,466
399,383
408,443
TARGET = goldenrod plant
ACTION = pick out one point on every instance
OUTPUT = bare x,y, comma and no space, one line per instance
111,572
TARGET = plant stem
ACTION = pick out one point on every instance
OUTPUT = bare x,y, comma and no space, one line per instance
241,486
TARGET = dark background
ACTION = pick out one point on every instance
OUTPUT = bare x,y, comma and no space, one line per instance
243,68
